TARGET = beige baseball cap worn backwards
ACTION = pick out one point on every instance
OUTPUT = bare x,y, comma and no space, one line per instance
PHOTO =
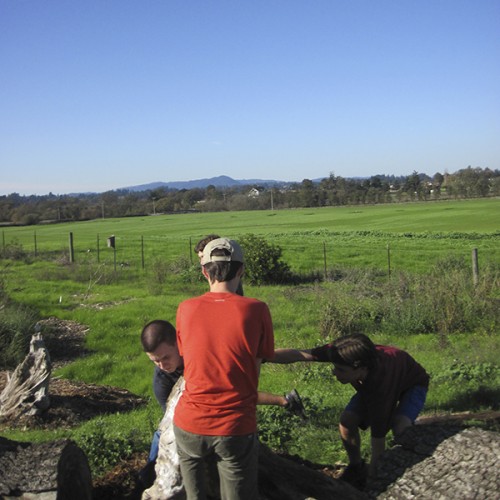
235,251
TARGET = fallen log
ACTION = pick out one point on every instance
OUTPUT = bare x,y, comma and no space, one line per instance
57,469
279,478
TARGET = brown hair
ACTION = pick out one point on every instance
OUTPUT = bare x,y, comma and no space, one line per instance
203,242
354,350
155,333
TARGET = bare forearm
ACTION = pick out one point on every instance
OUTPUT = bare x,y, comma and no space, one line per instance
284,356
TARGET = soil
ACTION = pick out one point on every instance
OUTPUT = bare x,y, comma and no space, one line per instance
75,402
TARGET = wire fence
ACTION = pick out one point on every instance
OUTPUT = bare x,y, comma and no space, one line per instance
308,254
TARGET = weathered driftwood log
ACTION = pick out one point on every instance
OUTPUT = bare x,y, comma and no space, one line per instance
279,478
54,470
27,391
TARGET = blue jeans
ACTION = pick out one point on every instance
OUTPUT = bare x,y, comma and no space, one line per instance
410,405
155,445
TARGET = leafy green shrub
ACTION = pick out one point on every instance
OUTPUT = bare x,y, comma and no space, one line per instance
104,447
465,372
275,427
263,264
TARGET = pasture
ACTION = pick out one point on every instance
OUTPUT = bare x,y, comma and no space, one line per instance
410,236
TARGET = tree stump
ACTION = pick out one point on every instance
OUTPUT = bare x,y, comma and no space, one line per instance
57,469
27,391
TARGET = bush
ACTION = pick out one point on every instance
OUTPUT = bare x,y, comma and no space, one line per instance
104,447
13,251
263,264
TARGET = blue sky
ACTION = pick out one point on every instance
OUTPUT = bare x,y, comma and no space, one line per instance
98,95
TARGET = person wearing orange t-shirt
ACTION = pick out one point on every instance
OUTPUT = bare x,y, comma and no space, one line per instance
222,337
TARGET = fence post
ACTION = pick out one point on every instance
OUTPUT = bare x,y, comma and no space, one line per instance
112,244
34,238
190,250
324,259
3,239
71,249
98,250
389,259
142,251
475,267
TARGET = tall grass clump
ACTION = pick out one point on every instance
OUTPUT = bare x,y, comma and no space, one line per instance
14,251
16,328
444,301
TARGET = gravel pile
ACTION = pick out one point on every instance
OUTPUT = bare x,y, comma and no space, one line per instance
440,462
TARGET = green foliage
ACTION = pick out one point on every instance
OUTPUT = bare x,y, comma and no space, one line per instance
460,371
105,446
16,328
468,385
263,264
13,251
445,301
275,427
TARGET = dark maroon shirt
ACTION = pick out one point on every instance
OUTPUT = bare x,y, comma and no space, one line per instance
396,372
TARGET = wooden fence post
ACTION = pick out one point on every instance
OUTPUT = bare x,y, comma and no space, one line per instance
142,251
475,267
324,259
71,249
389,259
112,244
34,238
98,250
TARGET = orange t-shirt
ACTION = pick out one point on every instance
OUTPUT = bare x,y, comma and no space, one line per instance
220,335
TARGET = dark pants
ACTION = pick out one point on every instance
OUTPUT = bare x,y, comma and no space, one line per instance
236,458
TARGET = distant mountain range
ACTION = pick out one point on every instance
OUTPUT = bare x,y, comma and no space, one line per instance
220,181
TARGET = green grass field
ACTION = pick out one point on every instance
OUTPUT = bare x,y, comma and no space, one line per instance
420,236
410,235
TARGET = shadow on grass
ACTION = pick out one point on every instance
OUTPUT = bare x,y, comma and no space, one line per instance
482,397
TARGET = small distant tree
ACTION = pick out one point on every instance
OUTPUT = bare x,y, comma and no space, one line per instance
263,264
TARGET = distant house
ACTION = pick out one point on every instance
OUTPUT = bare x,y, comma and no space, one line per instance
253,193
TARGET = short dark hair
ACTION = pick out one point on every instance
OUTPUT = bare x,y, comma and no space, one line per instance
222,271
203,242
354,350
155,333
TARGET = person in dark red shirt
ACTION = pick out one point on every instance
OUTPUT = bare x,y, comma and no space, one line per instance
391,388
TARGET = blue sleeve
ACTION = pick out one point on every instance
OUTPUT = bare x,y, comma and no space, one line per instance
162,386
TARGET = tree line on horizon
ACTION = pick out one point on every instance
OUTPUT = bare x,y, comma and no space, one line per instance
330,191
